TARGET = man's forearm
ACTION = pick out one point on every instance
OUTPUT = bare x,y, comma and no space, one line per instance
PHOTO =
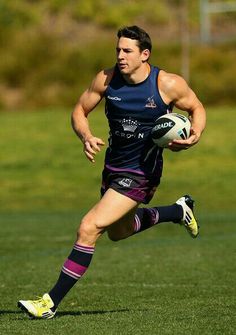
199,119
80,124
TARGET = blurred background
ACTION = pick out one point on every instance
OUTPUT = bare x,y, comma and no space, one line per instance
50,49
49,52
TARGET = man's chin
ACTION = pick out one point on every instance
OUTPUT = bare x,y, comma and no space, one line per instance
124,70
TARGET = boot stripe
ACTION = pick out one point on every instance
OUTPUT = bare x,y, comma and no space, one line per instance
188,219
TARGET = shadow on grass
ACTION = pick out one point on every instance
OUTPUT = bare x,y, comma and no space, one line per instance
10,312
92,312
72,313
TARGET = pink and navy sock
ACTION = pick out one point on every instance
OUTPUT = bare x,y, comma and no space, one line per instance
74,268
148,217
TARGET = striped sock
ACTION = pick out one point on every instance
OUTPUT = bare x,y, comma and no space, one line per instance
148,217
145,218
74,268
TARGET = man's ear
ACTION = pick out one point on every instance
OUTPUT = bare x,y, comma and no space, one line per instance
145,55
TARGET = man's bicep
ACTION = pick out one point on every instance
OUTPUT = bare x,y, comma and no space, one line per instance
94,94
175,90
186,99
186,102
89,100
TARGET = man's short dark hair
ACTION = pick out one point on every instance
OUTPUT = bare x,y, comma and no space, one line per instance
136,33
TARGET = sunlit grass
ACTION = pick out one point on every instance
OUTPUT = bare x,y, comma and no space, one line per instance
158,282
43,165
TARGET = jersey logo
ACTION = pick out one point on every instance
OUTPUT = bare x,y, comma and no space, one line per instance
114,98
129,125
150,103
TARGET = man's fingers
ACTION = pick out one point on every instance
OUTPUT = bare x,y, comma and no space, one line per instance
89,148
97,143
92,146
89,156
100,142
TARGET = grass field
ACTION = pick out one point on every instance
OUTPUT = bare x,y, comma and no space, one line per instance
158,282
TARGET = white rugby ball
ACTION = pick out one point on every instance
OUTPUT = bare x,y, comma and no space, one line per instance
169,127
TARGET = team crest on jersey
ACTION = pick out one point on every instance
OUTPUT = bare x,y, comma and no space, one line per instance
150,103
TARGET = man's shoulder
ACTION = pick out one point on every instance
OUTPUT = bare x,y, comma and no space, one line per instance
167,78
168,82
104,76
171,86
102,79
106,73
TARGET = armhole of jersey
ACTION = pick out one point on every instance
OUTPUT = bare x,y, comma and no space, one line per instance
169,106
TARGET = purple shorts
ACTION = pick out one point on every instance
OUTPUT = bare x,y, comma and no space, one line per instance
135,186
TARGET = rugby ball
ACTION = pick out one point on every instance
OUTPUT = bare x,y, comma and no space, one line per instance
169,127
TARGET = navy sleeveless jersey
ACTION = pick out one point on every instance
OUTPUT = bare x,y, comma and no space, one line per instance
131,110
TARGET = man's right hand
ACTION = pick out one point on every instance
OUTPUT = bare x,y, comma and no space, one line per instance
92,147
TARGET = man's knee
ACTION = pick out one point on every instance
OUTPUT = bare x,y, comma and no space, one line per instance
88,230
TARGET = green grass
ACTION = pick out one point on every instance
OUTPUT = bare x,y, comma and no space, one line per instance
43,166
158,282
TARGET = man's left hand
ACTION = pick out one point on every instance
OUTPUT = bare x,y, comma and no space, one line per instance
177,145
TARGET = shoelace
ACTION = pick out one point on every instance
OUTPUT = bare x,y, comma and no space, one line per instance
40,301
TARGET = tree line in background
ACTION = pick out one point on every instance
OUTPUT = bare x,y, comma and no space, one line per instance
50,50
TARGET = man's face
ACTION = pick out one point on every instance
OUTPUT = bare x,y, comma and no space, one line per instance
129,57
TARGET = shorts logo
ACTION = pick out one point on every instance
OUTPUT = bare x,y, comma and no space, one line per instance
126,182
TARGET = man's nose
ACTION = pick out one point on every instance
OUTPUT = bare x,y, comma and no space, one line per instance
120,54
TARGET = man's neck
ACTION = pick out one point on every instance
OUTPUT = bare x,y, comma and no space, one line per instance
138,76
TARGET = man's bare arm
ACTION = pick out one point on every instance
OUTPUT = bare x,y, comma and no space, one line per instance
87,102
175,90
